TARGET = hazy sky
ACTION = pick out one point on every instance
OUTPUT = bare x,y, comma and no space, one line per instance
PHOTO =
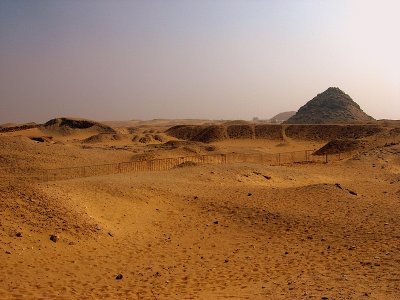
232,59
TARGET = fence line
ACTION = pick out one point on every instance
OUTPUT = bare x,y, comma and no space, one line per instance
164,164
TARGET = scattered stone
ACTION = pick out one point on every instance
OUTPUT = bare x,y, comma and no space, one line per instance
18,234
226,260
54,238
267,177
352,193
71,243
98,227
110,234
324,298
215,222
8,252
249,194
119,277
195,197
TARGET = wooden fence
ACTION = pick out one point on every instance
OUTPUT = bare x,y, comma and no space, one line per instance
164,164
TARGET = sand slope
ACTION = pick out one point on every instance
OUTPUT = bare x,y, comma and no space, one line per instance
239,231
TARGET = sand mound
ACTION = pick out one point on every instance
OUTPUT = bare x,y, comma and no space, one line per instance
143,139
188,146
339,146
184,132
18,127
143,156
160,138
236,122
215,133
149,138
105,137
67,126
330,132
395,131
240,131
212,133
132,130
330,107
19,155
273,132
32,209
178,144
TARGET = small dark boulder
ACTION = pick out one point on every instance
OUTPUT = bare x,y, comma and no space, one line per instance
54,238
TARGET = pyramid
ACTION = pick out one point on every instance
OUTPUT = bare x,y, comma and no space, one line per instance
330,107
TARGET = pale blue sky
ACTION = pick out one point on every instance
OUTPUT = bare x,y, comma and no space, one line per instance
120,59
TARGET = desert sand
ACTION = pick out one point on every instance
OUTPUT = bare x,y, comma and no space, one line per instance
254,230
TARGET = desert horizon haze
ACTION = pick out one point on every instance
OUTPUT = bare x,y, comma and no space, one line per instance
121,60
139,160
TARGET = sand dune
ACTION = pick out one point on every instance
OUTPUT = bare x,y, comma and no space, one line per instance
240,231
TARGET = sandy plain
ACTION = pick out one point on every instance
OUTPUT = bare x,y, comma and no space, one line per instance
230,231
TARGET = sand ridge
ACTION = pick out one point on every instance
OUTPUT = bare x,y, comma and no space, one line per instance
239,231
